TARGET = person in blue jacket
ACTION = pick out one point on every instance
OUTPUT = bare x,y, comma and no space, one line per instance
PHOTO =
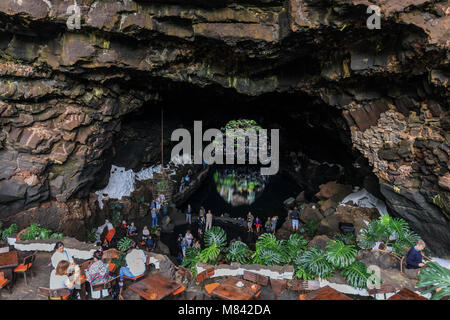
414,257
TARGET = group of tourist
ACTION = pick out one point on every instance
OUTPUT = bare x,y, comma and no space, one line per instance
270,225
67,274
159,204
187,241
185,181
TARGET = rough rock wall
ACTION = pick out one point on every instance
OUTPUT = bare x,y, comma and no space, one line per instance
63,92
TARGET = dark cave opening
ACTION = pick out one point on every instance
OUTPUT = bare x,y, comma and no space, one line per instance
315,144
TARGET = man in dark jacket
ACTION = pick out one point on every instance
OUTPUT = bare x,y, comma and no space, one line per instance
414,260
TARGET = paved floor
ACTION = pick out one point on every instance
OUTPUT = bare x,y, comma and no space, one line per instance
41,278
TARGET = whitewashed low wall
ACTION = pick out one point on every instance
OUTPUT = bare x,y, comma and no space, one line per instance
225,270
47,246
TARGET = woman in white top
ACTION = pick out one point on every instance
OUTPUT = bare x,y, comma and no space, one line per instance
59,277
61,255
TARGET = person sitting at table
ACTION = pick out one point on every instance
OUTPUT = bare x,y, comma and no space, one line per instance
60,255
59,277
150,243
131,230
135,260
97,272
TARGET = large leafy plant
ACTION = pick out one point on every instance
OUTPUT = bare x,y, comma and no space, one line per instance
356,275
267,251
339,254
124,244
393,232
238,251
292,247
12,229
217,236
437,277
314,261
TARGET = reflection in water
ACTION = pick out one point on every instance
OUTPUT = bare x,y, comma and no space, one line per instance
239,186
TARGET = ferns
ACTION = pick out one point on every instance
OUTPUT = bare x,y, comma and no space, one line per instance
436,276
340,255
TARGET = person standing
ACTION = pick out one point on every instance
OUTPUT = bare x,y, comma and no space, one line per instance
165,208
189,214
154,217
268,225
250,219
294,215
274,224
209,219
257,224
184,246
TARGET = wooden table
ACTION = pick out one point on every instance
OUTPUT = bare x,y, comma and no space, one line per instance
8,261
406,294
229,290
326,293
154,287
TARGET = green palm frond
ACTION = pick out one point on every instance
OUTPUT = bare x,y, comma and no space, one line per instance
267,256
124,244
210,254
215,235
290,248
436,276
339,254
238,251
397,227
314,261
267,240
191,259
356,275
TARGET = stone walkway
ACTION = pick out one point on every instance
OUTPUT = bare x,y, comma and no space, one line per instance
41,278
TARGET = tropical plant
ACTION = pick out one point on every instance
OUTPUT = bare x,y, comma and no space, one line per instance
33,232
356,275
215,235
347,238
267,251
310,228
314,262
121,261
56,236
12,229
124,244
238,251
290,248
191,259
436,276
210,254
339,254
392,232
300,272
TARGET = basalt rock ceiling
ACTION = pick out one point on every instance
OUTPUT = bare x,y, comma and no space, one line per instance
64,93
